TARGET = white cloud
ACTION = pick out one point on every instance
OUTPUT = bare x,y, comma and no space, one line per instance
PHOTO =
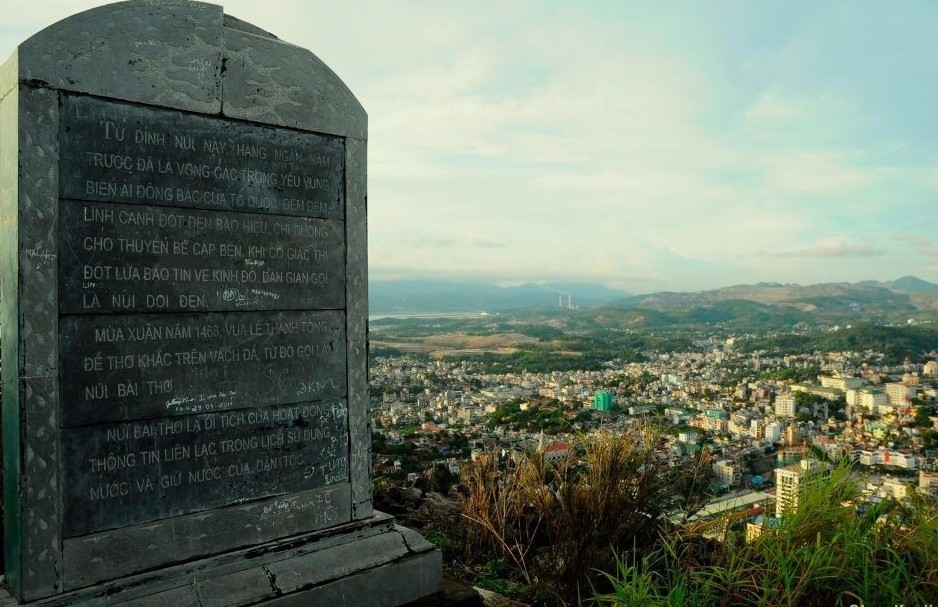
517,142
833,247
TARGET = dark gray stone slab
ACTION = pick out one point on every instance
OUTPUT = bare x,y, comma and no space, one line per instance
271,81
141,258
30,391
113,554
163,53
128,473
36,229
177,597
290,575
170,109
393,584
41,486
356,229
141,366
296,574
118,152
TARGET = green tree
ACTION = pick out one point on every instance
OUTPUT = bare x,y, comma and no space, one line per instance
922,418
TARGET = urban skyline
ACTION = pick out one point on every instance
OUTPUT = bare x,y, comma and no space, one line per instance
644,147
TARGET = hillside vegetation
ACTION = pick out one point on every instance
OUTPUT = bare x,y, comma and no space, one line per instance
591,529
539,340
826,553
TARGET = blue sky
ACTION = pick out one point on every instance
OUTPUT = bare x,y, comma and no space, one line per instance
647,146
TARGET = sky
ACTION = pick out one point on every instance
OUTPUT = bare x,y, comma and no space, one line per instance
643,145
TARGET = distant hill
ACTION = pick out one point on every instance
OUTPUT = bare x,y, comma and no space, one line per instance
911,284
415,296
850,302
734,314
761,305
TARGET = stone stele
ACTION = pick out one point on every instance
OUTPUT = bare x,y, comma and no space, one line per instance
184,347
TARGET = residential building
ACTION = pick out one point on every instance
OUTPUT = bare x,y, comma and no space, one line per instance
930,368
785,405
869,399
841,383
773,432
928,483
788,482
899,394
728,472
603,400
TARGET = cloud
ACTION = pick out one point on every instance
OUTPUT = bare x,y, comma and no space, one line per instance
820,172
616,142
449,243
771,109
832,247
927,247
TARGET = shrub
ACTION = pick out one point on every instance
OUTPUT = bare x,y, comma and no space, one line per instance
825,553
558,523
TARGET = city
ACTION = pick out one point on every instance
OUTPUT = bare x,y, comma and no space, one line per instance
846,405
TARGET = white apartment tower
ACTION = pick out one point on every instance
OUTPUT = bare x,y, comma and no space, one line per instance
785,405
788,484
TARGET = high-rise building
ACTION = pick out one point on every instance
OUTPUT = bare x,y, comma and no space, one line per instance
603,400
785,405
899,394
788,481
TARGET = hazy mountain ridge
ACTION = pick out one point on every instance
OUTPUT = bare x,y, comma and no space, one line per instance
415,296
905,296
768,302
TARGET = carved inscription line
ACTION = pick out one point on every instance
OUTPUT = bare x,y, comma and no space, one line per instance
129,153
168,466
122,367
141,258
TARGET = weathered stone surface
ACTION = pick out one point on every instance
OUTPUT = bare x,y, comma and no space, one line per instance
143,258
177,597
165,53
33,396
291,575
36,231
392,584
267,80
373,565
96,557
357,297
42,488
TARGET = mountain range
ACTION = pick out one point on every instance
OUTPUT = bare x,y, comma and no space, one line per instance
897,299
906,295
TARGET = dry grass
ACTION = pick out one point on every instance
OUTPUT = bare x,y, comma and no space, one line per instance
558,523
